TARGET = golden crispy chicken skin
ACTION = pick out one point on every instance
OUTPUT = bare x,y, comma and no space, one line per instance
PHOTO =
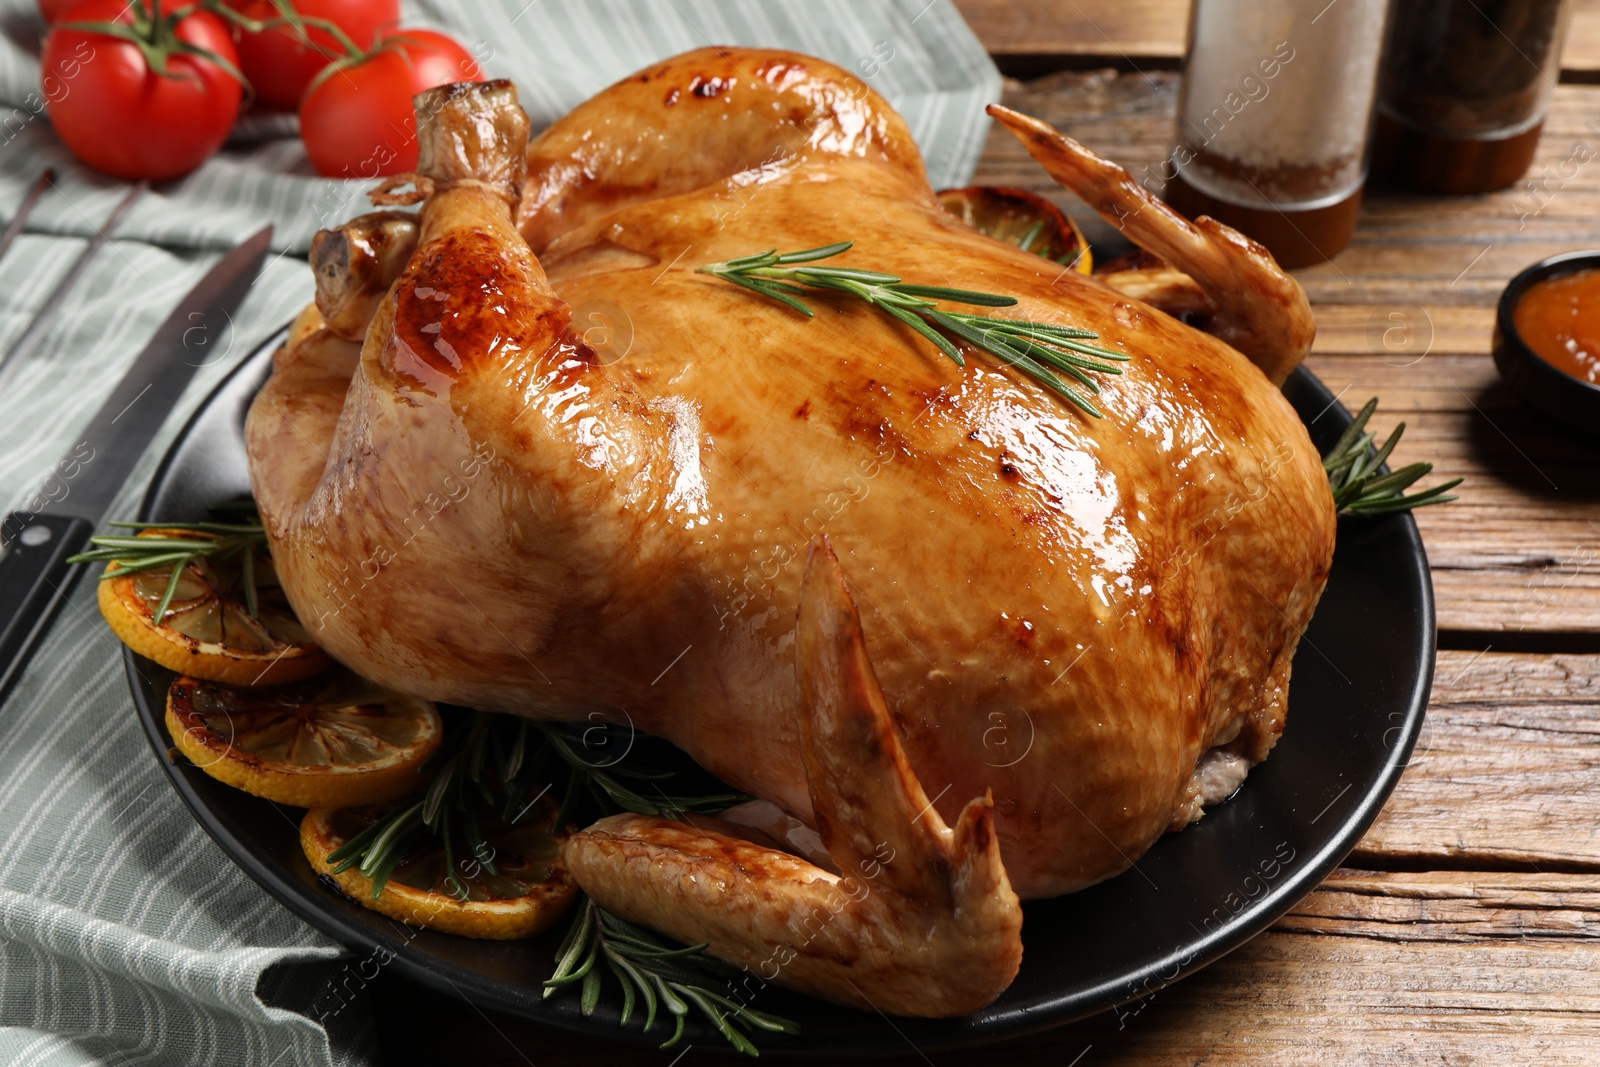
570,475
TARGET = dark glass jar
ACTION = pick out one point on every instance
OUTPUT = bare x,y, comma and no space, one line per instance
1463,91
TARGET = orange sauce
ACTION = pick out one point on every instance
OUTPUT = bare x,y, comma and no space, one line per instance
1559,318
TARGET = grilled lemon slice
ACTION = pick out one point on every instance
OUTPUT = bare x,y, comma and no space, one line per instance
334,743
527,890
1020,218
208,630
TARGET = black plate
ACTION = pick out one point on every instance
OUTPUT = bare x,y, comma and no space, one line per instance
1361,682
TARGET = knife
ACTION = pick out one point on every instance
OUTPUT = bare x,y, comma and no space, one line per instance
35,544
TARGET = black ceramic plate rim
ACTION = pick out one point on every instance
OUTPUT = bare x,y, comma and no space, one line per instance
1116,990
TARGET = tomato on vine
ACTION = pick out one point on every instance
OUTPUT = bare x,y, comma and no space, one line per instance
158,97
281,58
356,118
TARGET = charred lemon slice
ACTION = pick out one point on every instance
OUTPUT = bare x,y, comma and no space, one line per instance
1021,218
343,742
209,630
516,885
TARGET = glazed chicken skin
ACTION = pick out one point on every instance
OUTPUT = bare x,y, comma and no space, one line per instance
563,474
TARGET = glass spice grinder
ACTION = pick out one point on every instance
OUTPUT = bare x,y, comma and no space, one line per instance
1273,115
1463,91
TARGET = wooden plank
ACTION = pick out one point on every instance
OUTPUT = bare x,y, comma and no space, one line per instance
1581,56
1506,770
1406,315
1435,968
1031,37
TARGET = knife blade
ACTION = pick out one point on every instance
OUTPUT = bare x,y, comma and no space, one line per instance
35,543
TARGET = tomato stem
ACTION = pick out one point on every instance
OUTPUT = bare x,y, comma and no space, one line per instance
155,35
291,18
393,43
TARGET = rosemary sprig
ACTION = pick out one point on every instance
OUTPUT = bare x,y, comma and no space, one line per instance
488,769
447,807
659,974
1358,488
1035,348
607,784
213,540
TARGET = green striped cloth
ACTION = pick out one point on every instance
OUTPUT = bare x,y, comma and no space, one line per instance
126,937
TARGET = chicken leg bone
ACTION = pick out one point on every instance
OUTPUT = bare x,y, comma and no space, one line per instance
355,264
922,921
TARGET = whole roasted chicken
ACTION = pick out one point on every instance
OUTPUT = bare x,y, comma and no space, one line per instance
965,641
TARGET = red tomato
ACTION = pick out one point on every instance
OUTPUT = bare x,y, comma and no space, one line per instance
52,9
119,116
279,62
357,121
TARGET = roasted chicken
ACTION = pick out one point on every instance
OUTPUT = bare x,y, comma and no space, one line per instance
966,642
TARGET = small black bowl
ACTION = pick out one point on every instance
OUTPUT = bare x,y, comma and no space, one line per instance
1544,387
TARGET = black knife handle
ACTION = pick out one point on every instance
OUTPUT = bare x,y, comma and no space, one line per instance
35,579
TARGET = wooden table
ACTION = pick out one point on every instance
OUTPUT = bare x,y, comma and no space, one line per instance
1465,928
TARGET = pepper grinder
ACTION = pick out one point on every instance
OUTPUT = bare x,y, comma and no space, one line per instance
1463,91
1273,115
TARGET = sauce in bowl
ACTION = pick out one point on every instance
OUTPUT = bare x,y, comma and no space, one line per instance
1559,319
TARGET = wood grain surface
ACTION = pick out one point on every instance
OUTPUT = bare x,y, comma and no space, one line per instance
1032,37
1465,929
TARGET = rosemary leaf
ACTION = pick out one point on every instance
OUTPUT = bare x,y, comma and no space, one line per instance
247,571
771,291
251,528
512,767
150,563
646,988
348,854
1026,241
171,590
810,254
452,881
960,296
589,998
718,1019
813,275
1003,349
929,332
